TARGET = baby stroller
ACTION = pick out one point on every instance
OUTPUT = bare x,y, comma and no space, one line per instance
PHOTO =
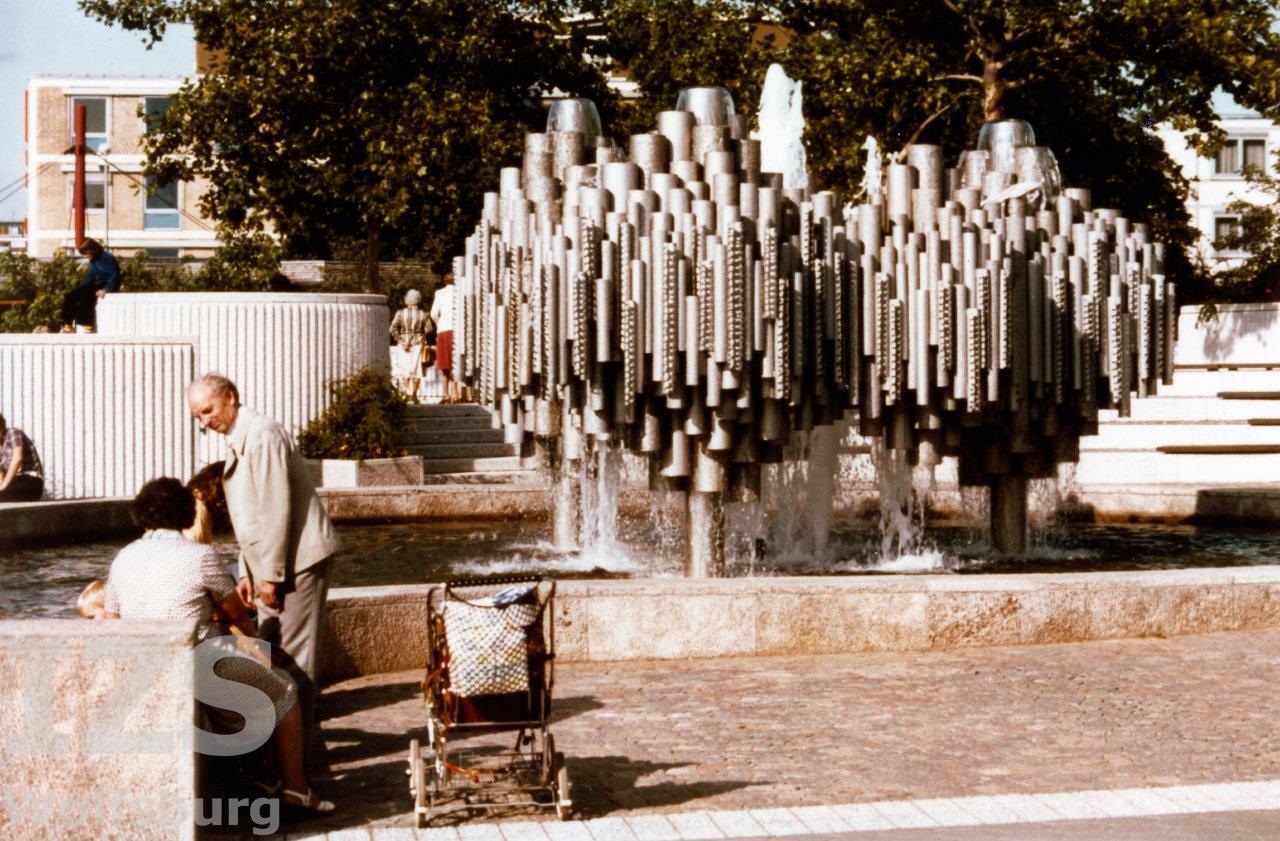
490,669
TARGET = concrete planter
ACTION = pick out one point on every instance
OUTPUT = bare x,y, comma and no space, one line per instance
363,473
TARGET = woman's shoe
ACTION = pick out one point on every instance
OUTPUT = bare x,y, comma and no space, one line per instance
307,800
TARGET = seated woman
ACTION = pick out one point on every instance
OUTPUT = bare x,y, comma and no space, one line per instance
164,575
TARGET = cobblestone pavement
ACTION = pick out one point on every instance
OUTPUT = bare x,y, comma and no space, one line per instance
741,733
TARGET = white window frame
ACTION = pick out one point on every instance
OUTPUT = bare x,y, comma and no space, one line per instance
1238,142
176,212
92,139
90,178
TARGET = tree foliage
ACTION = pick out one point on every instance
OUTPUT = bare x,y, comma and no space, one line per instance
1093,77
369,126
666,45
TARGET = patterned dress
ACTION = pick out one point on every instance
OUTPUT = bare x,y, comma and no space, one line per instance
163,575
409,329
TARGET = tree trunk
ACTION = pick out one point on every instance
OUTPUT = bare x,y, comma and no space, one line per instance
993,90
372,254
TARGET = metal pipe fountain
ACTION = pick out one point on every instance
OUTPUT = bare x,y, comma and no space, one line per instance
678,302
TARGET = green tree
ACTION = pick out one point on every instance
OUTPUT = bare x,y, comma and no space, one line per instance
1093,77
356,126
665,45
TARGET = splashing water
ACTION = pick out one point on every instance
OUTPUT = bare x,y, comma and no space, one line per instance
901,509
601,485
781,130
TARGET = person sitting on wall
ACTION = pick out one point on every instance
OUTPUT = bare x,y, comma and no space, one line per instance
21,473
80,305
165,575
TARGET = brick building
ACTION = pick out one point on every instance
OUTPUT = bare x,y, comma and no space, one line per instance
124,210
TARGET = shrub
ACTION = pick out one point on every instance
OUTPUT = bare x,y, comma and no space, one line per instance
362,421
42,282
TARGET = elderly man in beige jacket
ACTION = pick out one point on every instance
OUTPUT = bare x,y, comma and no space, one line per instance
285,536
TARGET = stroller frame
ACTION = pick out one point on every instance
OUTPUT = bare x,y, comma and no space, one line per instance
444,778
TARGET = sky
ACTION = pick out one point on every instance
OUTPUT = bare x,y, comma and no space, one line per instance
53,38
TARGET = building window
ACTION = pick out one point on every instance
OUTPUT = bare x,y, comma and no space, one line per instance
1226,226
95,192
153,108
95,121
1241,154
161,253
162,206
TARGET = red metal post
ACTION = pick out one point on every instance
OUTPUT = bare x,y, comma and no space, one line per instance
78,194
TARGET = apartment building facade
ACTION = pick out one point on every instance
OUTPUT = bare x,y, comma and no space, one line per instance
1217,182
124,209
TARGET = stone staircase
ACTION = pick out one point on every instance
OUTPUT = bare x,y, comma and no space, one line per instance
460,444
1211,427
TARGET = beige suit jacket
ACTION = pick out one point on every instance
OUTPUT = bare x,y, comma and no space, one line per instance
277,515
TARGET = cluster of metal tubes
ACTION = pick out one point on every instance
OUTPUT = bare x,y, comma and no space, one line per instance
680,303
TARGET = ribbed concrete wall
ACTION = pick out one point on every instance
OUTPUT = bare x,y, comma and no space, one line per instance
105,413
282,350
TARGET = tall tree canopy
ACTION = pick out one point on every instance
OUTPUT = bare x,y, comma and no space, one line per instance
357,127
1091,76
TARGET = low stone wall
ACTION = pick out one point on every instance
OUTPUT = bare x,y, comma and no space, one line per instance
64,521
383,629
1240,335
91,722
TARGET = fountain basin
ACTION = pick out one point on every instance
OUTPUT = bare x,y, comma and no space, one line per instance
635,619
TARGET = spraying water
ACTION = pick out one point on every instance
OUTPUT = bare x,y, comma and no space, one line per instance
782,129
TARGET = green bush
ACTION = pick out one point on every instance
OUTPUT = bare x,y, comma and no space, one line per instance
362,421
42,282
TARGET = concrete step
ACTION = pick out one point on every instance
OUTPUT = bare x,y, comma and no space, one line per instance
1201,383
1140,435
436,466
476,422
1221,449
1249,395
442,410
431,435
1112,467
531,478
1195,409
462,450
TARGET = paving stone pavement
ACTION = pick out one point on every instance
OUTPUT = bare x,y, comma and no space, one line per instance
680,737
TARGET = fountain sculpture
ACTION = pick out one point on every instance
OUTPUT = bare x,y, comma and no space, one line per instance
681,303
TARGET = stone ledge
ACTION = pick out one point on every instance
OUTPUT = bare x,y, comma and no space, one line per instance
383,629
64,520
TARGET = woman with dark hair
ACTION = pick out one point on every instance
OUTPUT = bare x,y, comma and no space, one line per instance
80,305
164,575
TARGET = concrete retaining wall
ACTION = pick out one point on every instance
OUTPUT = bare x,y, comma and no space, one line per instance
283,350
90,720
1242,334
105,412
383,629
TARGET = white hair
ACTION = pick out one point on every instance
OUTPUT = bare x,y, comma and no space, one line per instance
412,298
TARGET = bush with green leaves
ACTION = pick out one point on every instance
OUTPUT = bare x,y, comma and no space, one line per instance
41,282
361,422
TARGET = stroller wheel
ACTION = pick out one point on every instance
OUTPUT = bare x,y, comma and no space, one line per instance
564,806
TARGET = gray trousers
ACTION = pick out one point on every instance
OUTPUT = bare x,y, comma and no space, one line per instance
296,630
